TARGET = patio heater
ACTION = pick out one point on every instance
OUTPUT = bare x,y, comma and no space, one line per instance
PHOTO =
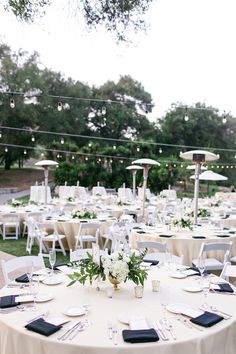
46,165
146,164
134,169
198,157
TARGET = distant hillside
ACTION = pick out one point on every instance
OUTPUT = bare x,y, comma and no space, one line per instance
22,178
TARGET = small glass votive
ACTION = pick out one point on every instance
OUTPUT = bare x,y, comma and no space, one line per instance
138,291
109,292
155,285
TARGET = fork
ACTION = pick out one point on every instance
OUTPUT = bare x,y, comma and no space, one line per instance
170,328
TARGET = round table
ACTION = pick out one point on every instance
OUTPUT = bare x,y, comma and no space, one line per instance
182,242
218,339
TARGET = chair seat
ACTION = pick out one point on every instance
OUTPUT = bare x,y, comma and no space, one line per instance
11,224
210,264
233,259
86,238
51,237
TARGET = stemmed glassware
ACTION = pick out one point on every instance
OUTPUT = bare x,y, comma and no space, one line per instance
29,272
201,266
52,259
164,299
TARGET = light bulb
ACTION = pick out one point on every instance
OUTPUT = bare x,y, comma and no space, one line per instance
62,141
138,149
224,120
0,135
59,106
6,149
104,111
72,157
186,117
58,156
89,145
114,147
25,152
160,151
12,103
86,158
121,161
33,138
42,154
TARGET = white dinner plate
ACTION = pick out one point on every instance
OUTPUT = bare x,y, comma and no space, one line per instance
74,311
177,275
183,309
43,297
126,317
193,289
52,280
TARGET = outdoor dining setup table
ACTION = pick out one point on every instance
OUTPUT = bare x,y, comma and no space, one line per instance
101,314
184,241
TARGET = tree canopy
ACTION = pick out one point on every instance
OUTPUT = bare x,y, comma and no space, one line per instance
116,16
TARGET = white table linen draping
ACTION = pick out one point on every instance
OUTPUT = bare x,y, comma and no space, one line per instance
182,242
37,194
218,339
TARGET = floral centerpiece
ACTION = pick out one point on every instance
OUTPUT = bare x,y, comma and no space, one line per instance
183,223
16,203
117,267
202,213
83,214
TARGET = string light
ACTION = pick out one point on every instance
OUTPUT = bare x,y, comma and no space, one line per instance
62,141
186,117
104,111
160,151
33,138
6,149
0,134
12,103
89,145
138,149
25,152
73,157
59,107
224,119
114,147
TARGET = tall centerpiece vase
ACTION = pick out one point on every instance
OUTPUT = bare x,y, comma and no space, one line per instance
114,282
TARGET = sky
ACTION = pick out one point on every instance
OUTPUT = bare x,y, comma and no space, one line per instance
188,54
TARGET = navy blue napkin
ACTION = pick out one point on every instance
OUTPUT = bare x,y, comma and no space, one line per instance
152,261
198,237
8,301
207,319
42,327
140,335
224,288
22,279
223,236
141,232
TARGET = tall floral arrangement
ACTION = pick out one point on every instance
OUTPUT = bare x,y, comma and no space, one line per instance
118,265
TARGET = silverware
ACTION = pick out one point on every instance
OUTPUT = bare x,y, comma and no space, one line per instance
80,328
68,332
161,331
109,327
170,328
115,335
187,323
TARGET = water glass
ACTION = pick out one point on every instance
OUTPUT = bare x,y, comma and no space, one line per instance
29,272
206,283
52,259
34,292
164,298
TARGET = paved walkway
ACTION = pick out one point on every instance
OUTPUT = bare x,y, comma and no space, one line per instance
8,196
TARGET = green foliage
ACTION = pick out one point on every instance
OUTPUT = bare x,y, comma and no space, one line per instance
115,16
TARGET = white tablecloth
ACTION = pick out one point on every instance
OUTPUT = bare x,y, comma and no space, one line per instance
218,339
182,243
37,194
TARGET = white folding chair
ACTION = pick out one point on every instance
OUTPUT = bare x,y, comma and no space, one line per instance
19,263
37,215
10,226
34,234
84,233
228,272
54,238
158,256
214,263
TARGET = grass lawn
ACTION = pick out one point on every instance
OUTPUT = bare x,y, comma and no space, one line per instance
18,248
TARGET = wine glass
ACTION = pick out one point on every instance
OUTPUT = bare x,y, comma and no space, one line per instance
52,259
206,282
201,266
29,272
34,292
164,299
